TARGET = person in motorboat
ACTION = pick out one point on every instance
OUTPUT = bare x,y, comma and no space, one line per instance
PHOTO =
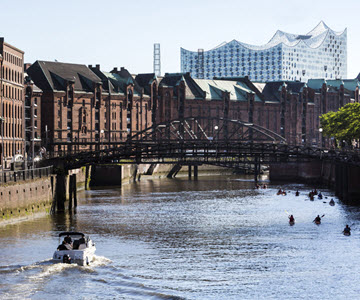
317,220
297,193
332,202
291,219
63,246
347,230
68,239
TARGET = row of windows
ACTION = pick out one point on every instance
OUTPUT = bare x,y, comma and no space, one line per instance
12,75
12,92
7,108
12,59
10,148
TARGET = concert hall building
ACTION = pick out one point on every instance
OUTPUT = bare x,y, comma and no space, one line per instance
321,53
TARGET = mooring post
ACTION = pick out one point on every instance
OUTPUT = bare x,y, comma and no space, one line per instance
75,190
256,169
60,192
189,171
86,176
71,188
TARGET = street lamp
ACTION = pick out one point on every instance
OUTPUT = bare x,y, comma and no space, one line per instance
321,137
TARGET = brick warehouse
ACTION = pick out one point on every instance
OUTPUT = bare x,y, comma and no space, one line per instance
12,101
97,108
288,108
88,107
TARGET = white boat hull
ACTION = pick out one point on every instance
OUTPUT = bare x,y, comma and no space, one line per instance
81,257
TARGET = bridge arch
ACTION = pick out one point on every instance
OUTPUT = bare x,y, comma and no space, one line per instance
208,129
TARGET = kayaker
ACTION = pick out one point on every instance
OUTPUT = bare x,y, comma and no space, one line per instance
297,193
317,219
279,192
291,219
332,202
320,196
347,229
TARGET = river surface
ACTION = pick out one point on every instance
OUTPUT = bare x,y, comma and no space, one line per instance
214,238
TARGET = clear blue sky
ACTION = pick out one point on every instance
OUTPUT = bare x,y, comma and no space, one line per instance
115,33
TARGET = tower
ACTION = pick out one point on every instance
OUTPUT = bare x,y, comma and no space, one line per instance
157,63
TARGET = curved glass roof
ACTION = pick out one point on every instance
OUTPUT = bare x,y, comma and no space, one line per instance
312,39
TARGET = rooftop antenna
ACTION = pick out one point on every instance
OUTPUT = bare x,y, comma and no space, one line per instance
157,64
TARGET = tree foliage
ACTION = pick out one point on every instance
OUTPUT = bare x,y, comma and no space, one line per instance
343,124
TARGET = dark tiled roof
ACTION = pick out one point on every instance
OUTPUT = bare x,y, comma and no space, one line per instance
144,81
271,89
55,75
192,89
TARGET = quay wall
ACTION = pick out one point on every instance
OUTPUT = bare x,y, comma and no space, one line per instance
23,199
116,175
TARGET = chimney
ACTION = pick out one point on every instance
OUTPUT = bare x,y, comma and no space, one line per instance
122,69
90,66
115,69
97,67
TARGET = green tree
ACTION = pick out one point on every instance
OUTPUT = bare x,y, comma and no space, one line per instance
343,124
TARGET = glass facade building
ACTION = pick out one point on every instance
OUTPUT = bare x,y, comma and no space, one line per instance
321,53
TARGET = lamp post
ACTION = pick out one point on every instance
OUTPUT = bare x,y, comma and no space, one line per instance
321,137
2,113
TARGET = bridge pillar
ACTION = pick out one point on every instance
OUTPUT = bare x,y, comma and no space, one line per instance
189,171
195,172
174,170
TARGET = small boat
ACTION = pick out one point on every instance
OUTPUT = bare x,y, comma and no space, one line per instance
291,223
317,222
76,248
346,233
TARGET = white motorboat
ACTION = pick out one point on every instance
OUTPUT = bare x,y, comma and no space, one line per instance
75,248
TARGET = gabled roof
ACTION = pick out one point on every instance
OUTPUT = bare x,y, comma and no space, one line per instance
144,80
56,75
271,91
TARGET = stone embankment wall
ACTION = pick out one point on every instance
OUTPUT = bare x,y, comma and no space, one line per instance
115,175
343,178
24,198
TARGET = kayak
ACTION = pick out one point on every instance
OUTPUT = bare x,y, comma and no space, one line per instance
332,203
347,233
317,222
291,223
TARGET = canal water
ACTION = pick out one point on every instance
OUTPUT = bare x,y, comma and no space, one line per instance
214,238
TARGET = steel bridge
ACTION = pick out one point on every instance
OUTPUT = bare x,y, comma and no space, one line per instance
203,140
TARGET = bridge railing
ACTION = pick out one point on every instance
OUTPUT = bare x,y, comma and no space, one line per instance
14,176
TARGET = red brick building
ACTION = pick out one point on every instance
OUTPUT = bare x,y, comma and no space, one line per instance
12,101
85,108
33,134
291,109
